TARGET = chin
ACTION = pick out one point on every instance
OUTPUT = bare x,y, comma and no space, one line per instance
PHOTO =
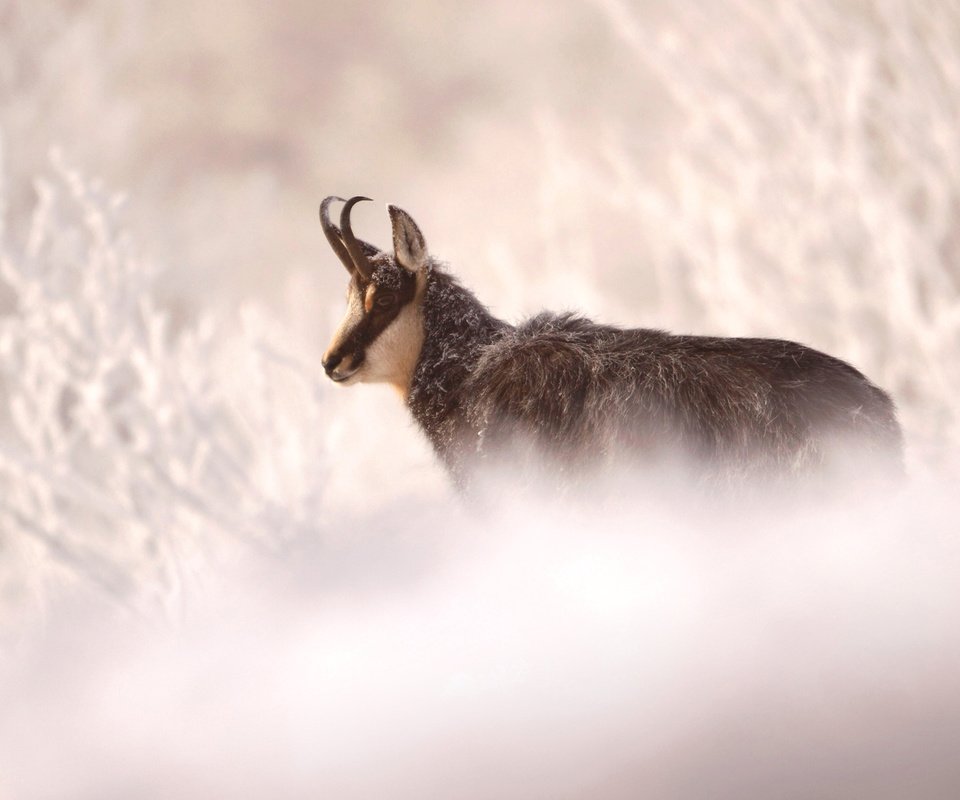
351,379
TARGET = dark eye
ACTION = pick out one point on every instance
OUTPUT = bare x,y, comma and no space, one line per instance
385,301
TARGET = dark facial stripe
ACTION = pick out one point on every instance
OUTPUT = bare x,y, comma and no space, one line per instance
395,287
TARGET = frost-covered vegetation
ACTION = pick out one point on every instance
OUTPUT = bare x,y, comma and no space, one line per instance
130,450
739,167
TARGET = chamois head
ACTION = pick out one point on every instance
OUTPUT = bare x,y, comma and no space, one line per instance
380,337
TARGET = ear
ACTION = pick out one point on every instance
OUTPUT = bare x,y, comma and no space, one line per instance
409,247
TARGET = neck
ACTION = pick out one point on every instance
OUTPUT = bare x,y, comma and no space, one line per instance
456,327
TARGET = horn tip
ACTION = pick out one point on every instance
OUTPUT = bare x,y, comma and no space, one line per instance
326,202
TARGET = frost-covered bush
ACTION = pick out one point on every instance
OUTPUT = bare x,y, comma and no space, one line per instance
129,450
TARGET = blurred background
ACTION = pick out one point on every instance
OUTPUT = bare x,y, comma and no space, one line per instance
735,167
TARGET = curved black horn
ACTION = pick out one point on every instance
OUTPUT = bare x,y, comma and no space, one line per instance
360,260
332,232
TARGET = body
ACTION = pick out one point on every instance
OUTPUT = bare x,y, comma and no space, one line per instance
572,394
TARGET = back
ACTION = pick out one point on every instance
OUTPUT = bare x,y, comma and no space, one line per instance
564,388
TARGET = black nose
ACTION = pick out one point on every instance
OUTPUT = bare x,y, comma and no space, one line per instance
330,362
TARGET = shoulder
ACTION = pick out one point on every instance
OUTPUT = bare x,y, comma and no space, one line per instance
566,327
534,359
544,339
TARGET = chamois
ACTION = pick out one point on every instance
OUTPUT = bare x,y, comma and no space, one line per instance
573,393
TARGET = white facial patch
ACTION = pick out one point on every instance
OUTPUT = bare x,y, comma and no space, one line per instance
394,353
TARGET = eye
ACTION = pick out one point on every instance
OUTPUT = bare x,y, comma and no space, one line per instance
385,301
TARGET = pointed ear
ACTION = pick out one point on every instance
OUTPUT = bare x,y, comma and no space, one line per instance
409,247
